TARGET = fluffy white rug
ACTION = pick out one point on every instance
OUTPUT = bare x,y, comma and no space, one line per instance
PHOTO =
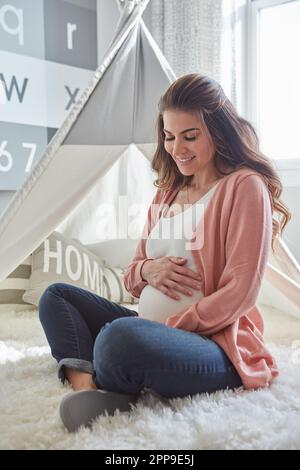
31,393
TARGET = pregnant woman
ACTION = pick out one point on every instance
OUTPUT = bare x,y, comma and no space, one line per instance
197,271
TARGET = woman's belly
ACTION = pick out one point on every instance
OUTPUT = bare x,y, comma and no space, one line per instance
156,306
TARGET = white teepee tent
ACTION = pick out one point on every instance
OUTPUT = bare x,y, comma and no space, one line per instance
113,123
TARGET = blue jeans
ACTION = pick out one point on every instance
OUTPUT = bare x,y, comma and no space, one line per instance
126,353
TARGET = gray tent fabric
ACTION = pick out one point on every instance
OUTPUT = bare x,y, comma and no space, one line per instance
124,108
115,114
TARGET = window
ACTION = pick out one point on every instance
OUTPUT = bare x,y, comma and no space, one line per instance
274,75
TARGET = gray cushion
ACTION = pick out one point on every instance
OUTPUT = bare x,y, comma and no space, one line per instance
59,259
114,288
116,255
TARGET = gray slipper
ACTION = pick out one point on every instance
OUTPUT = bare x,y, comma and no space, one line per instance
80,408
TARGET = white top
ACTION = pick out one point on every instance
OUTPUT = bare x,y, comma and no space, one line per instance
170,237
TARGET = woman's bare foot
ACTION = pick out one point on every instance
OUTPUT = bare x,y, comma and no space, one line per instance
80,380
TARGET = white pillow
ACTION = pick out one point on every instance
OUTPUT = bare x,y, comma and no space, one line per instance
59,259
117,253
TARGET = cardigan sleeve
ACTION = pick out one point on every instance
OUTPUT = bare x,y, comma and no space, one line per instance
133,280
247,245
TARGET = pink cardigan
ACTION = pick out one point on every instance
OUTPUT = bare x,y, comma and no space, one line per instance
231,263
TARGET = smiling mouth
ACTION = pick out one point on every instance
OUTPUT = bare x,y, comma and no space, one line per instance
185,160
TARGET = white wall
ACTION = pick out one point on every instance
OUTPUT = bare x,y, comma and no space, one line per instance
291,196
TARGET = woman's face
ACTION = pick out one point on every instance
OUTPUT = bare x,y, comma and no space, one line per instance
192,150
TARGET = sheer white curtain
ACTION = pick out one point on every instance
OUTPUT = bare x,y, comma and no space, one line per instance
205,36
233,51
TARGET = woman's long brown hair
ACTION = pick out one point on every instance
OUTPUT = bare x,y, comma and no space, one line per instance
235,140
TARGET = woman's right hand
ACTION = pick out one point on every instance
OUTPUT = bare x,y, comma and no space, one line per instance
168,274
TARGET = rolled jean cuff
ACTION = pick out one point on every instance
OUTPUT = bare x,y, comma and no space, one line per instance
78,364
